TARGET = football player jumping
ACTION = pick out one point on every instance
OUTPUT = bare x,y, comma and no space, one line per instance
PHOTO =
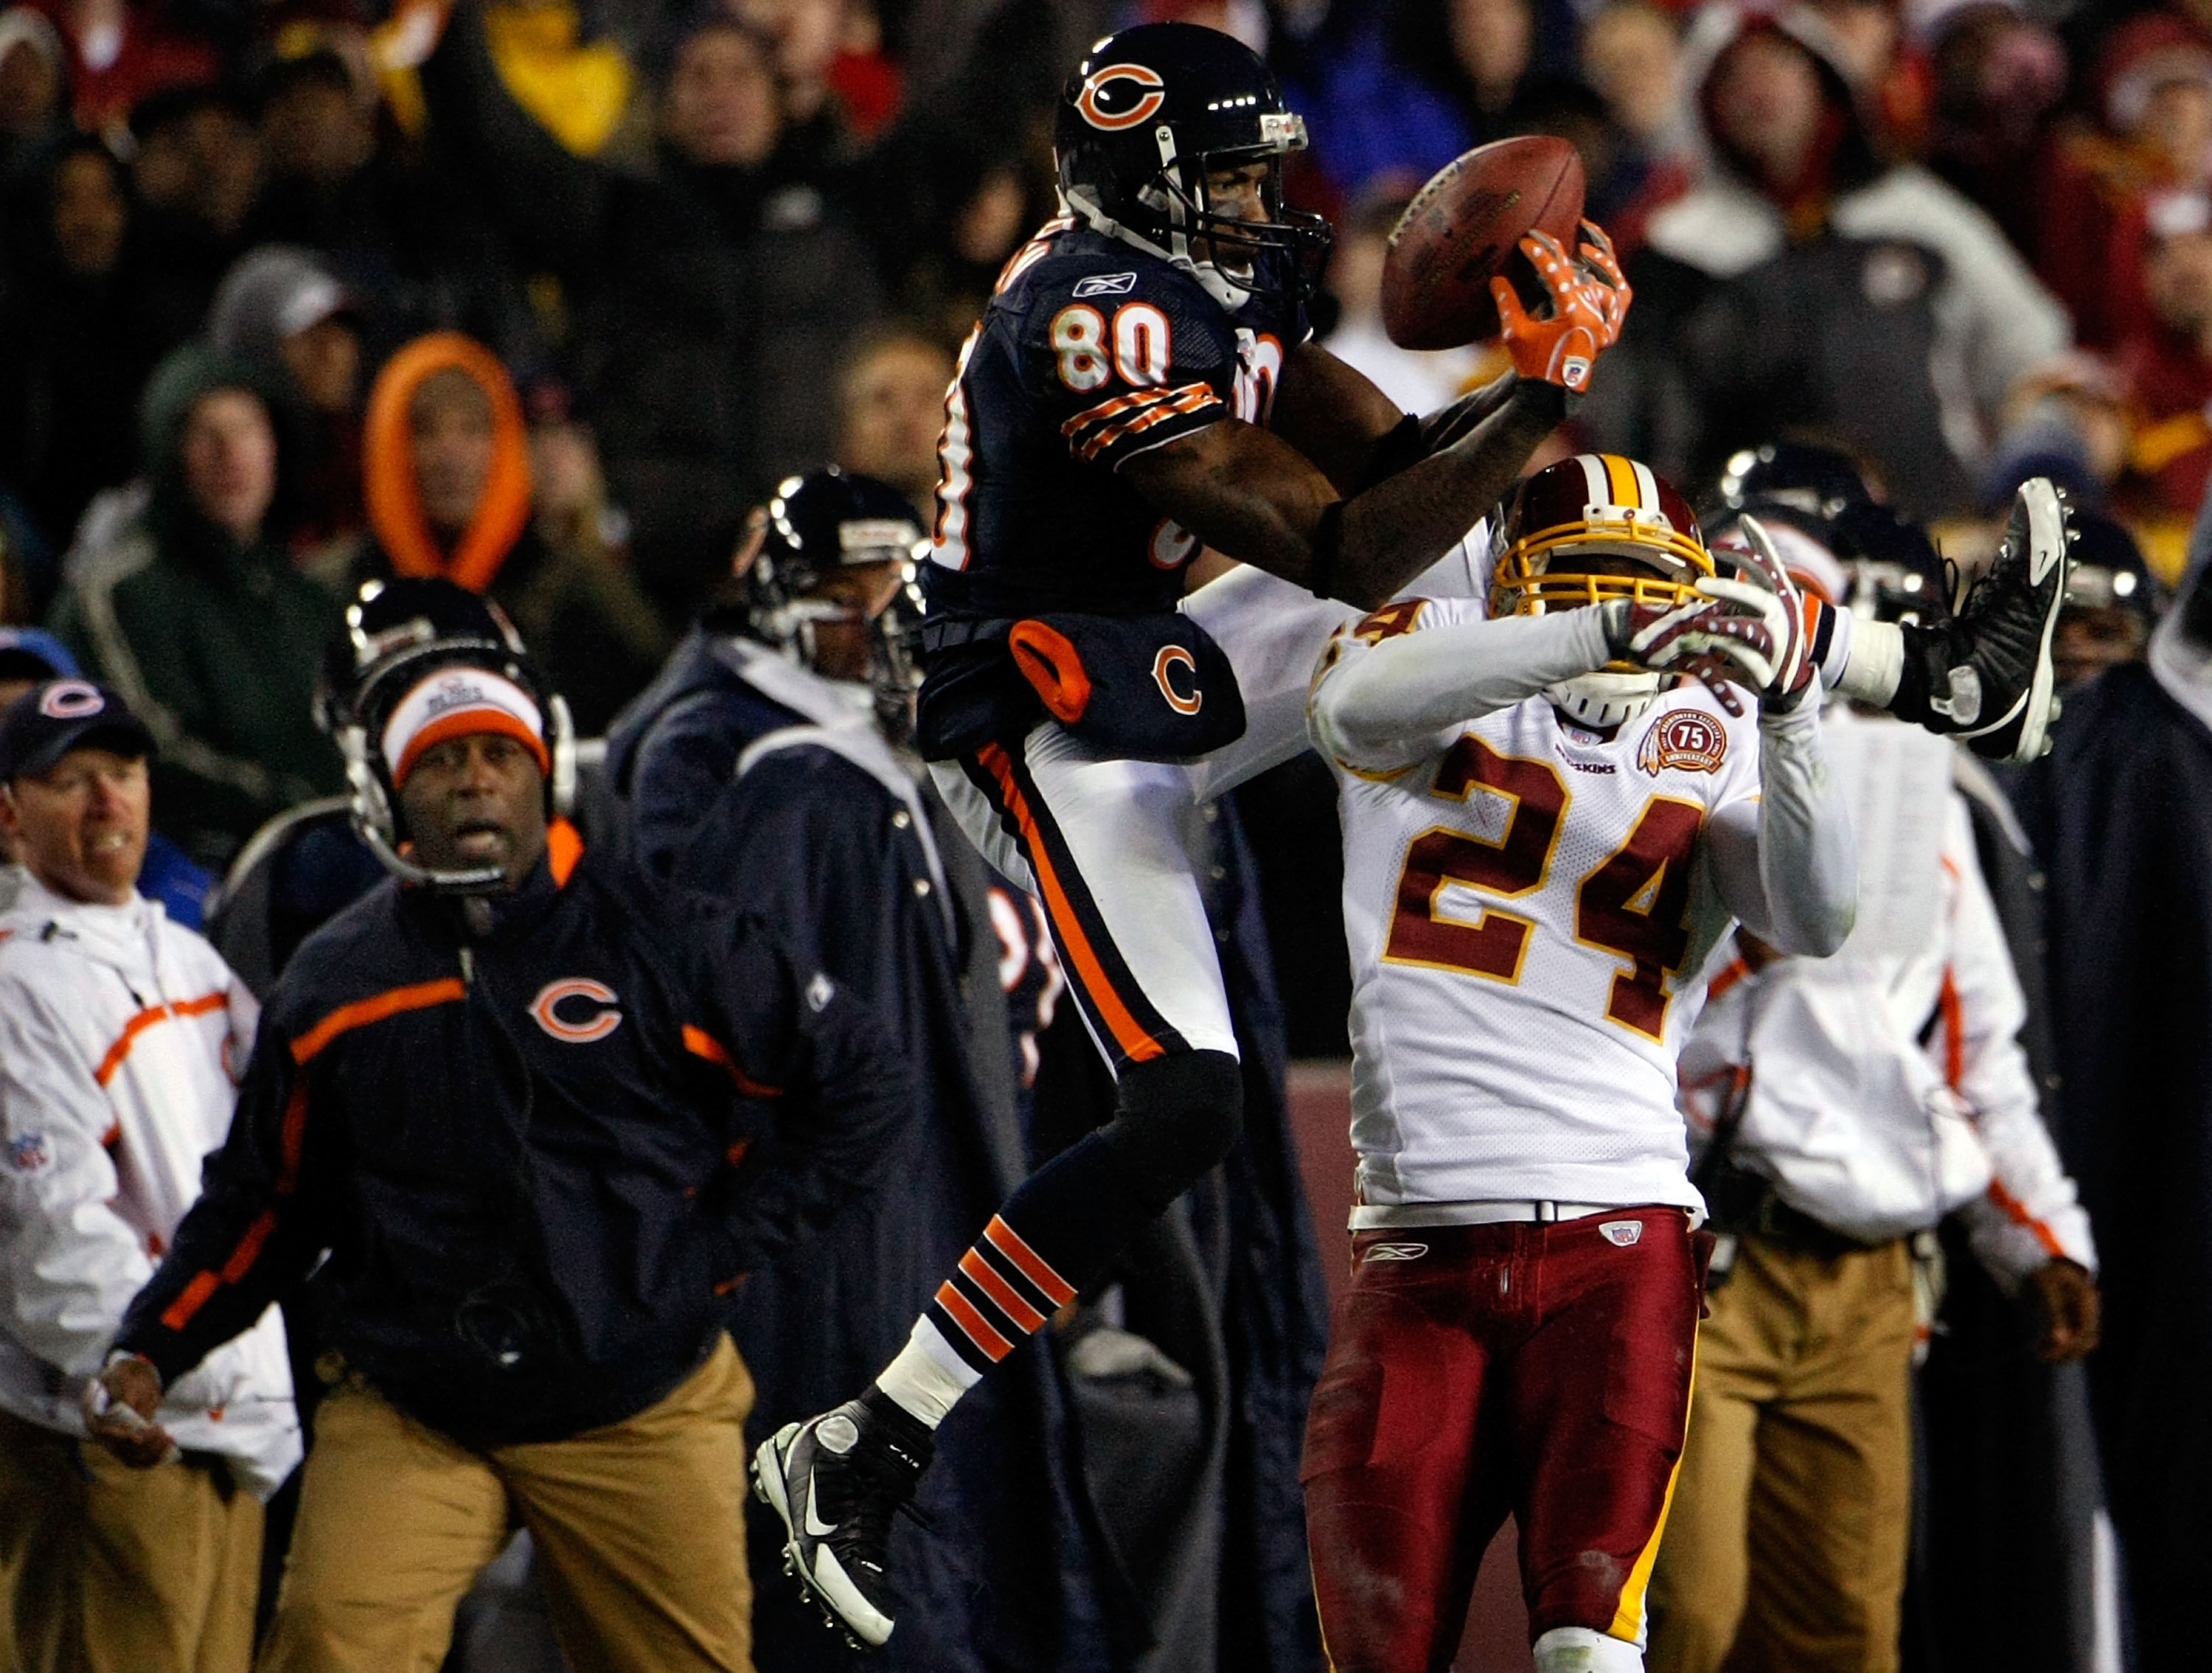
1141,386
1542,836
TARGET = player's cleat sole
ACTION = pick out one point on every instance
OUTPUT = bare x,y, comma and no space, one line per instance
1996,692
834,1483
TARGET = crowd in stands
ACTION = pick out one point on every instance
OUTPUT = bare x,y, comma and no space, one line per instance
545,297
270,275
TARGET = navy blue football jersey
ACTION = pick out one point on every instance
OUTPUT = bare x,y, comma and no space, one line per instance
1091,353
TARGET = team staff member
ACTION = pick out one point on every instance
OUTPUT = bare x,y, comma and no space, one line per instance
546,1114
118,1035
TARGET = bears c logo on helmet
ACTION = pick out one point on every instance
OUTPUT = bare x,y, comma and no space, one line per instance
591,1010
1099,91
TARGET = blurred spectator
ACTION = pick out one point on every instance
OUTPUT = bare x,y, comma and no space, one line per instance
196,164
2167,364
119,1032
1997,77
195,612
1808,282
2154,86
399,230
120,51
1419,381
2126,839
282,314
1631,55
709,296
890,401
81,338
33,85
448,484
30,657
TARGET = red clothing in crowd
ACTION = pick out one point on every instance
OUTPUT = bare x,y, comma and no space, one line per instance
108,76
2170,455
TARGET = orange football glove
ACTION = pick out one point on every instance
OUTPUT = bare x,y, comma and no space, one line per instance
1586,310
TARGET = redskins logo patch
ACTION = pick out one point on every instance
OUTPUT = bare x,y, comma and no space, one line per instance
1121,96
1685,739
576,1010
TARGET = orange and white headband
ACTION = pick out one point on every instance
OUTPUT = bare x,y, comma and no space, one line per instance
454,702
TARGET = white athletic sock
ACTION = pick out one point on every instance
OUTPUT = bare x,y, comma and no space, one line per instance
927,1378
1580,1649
1876,663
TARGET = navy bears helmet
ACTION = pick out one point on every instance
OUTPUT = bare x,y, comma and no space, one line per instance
1145,116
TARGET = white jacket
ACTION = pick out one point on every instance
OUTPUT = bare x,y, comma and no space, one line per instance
121,1036
1886,1085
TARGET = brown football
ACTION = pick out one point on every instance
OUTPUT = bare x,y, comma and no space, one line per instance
1465,227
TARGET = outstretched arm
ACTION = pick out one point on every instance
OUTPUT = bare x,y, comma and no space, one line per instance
1786,861
1253,495
1386,693
1249,493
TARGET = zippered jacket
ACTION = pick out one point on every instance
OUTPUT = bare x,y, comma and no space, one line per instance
542,1152
121,1037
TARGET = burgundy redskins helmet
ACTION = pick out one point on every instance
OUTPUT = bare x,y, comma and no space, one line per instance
1598,505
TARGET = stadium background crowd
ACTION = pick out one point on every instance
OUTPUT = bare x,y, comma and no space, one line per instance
545,296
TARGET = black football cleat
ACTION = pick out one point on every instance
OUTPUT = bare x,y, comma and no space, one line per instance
837,1480
1989,673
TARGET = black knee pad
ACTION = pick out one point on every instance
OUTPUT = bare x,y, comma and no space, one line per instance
1179,1115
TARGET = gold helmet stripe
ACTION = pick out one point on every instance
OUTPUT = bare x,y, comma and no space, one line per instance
1624,492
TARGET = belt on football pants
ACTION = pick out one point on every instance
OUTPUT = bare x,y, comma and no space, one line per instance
1406,1216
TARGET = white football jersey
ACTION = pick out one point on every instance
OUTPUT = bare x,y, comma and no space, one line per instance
1529,906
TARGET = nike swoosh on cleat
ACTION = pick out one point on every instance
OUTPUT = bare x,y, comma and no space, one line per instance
816,1529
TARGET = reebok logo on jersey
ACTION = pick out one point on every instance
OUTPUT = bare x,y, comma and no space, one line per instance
1395,1251
1621,1233
1685,739
1106,284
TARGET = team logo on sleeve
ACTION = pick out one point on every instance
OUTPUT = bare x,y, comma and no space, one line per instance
1685,739
1173,666
576,1010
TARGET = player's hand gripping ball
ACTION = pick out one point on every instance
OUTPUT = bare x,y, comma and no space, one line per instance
1465,227
1589,300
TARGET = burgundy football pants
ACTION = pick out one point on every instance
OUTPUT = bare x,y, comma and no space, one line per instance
1542,1370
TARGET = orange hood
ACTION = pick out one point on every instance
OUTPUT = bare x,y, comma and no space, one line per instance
395,513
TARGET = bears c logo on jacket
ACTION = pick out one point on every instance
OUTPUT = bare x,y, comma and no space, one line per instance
590,1008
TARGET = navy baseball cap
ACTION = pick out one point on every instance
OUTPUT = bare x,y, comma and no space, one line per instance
49,720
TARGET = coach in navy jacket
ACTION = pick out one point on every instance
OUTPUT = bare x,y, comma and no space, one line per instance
543,1134
518,1146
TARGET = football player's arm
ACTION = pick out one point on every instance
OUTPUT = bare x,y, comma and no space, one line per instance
1785,860
1249,493
2030,1215
1381,702
1330,412
251,1235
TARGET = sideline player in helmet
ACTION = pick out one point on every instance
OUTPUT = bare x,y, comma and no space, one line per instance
1142,385
1547,827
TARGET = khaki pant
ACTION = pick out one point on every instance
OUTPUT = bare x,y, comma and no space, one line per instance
640,1529
1786,1550
108,1569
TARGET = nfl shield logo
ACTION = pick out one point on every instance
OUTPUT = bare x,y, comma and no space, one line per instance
27,1152
1621,1233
